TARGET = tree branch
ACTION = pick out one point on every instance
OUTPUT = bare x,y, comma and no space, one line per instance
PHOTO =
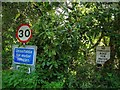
38,9
97,42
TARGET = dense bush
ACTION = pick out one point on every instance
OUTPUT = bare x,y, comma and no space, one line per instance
66,38
18,79
84,77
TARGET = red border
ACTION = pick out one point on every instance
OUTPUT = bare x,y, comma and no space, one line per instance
23,41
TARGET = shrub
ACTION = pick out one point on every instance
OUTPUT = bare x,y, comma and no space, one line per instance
17,79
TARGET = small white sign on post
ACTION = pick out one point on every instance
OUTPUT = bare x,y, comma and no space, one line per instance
102,54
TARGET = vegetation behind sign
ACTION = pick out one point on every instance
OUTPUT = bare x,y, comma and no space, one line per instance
66,35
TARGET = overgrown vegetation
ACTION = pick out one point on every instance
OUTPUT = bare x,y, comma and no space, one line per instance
66,35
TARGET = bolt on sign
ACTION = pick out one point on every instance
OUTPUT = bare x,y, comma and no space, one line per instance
102,54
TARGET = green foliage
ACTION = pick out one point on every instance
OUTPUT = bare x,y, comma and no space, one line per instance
107,80
66,37
18,79
56,85
113,80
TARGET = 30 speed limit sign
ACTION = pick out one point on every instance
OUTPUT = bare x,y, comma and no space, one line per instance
24,33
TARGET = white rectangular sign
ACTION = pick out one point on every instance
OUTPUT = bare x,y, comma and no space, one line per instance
102,54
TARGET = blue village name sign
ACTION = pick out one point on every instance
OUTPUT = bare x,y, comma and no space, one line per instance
24,55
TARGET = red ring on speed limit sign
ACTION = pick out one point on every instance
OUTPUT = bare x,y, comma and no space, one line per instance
24,33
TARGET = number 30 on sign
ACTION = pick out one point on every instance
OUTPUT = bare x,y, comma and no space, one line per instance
24,33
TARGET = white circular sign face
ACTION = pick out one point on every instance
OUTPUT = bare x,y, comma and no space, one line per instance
24,33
